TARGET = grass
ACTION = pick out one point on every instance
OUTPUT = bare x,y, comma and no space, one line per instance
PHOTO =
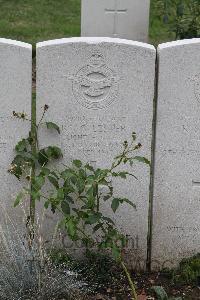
37,20
33,21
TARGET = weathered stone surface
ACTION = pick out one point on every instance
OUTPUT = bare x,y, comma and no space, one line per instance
176,231
15,95
127,19
96,115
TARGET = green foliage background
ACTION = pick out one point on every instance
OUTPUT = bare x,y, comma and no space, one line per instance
39,20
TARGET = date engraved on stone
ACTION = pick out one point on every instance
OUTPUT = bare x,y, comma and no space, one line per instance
95,85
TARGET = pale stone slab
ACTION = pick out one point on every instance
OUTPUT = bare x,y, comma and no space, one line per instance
15,95
176,231
128,19
95,121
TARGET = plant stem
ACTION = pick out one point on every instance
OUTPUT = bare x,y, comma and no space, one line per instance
98,199
33,151
131,283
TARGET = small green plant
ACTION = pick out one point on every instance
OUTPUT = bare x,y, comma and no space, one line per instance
162,295
77,191
31,159
188,271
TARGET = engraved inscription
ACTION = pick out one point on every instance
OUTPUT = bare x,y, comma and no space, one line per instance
115,12
5,139
95,135
197,86
95,86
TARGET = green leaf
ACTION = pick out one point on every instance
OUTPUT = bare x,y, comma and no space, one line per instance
45,171
97,227
46,204
73,179
42,157
38,182
71,228
160,292
90,198
51,125
142,160
65,207
93,218
18,199
60,194
54,181
69,199
53,152
80,185
21,145
77,163
115,204
122,174
90,179
67,173
116,252
129,202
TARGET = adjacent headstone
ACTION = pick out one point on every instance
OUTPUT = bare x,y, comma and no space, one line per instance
128,19
176,230
15,95
99,91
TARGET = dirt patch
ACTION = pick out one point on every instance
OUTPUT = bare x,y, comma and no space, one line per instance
144,284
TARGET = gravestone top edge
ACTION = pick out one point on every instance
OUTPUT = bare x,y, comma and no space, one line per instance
94,40
15,43
178,43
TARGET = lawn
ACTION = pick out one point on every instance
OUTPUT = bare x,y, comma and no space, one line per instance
38,20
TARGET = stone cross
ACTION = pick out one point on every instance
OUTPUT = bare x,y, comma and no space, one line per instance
127,19
115,11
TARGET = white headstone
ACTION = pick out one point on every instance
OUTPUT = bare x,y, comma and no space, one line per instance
96,119
128,19
15,95
176,232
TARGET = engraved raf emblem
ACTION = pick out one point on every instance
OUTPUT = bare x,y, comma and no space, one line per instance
95,86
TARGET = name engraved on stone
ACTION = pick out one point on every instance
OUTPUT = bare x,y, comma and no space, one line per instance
92,131
95,86
115,13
